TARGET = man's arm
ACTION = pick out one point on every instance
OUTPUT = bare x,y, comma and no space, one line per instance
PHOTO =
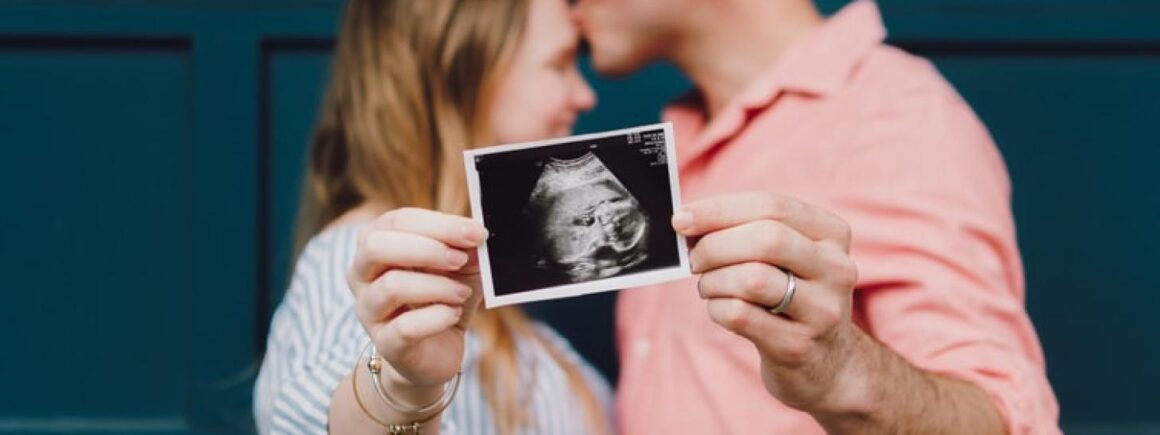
748,247
893,397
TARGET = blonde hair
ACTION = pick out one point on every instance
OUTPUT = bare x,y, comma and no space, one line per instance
407,94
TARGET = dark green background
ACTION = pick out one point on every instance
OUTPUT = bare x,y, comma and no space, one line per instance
151,161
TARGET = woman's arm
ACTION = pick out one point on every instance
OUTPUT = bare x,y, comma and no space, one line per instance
416,285
293,390
346,417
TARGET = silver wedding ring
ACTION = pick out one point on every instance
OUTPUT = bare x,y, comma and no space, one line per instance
790,289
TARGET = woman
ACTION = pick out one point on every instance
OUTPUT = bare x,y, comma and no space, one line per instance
390,257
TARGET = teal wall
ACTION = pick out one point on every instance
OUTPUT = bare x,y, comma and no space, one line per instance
152,154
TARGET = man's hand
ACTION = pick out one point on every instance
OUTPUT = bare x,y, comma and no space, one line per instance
746,246
813,357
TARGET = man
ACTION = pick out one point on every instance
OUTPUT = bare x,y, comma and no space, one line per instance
873,264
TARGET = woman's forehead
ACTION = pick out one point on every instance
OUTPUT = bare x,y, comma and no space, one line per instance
551,29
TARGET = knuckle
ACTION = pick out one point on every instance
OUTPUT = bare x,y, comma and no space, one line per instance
772,239
367,306
754,280
387,220
773,205
848,274
406,331
391,281
843,272
363,316
796,350
736,315
828,315
386,299
361,310
406,213
371,249
767,226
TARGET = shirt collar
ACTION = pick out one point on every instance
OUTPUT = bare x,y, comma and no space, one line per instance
822,61
817,64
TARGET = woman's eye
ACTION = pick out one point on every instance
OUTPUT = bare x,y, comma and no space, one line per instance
563,63
585,220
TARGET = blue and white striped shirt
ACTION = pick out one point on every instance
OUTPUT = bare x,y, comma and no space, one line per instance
315,338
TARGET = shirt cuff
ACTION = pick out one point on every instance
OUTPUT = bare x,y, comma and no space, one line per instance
1019,390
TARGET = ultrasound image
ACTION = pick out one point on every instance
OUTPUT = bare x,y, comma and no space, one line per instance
588,222
579,211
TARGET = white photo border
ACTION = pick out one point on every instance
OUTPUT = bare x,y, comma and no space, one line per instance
656,276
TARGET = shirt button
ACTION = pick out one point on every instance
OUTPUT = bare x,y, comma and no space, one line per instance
640,348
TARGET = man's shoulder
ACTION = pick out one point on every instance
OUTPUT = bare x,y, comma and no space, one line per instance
889,71
892,84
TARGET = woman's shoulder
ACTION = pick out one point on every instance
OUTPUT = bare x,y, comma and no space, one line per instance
336,238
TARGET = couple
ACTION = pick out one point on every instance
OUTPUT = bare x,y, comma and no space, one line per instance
887,299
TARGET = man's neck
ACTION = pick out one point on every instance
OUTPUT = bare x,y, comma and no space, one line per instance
728,47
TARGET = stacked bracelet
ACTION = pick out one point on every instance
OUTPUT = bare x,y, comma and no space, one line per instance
375,366
423,414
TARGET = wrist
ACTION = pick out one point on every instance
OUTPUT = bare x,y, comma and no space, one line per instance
856,398
409,393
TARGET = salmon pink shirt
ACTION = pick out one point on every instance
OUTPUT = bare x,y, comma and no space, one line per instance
879,137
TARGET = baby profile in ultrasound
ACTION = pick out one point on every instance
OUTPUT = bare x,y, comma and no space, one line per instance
577,215
588,225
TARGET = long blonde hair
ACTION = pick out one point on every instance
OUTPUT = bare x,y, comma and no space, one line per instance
408,92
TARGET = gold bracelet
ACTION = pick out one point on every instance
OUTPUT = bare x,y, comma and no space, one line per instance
375,367
412,428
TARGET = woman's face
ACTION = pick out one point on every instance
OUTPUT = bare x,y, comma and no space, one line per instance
542,92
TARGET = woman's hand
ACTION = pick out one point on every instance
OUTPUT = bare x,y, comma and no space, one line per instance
415,279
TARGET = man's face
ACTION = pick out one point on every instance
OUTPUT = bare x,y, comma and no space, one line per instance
595,231
625,35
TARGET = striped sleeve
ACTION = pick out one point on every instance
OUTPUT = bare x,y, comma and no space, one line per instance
313,341
315,338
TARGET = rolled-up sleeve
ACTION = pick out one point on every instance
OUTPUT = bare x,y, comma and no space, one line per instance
941,283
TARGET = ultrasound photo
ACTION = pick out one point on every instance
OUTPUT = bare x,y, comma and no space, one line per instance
577,215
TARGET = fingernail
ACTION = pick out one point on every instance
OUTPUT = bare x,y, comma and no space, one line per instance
474,233
456,258
464,292
682,221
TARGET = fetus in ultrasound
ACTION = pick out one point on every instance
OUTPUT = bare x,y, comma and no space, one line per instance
588,224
